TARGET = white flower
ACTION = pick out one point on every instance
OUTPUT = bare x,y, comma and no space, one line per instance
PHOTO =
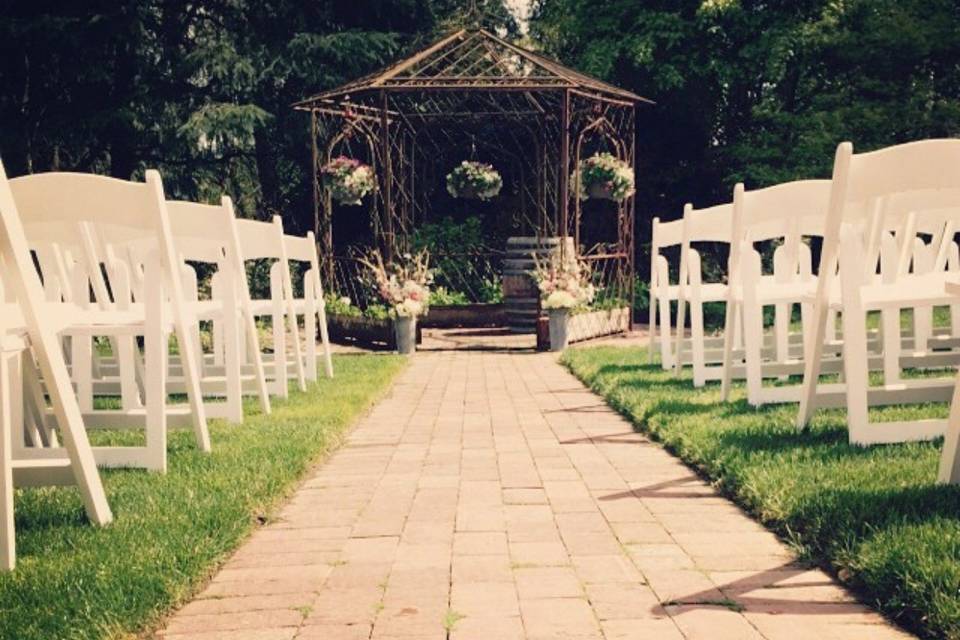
560,300
409,308
346,301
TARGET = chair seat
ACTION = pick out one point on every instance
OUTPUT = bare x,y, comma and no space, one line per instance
261,307
206,309
709,292
910,291
13,340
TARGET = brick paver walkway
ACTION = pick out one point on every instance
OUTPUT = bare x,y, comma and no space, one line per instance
492,497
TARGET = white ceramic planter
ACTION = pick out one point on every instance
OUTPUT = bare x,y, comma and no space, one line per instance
406,330
559,325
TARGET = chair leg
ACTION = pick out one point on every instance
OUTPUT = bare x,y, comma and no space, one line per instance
949,471
82,358
891,345
855,369
310,327
231,350
652,325
752,327
253,354
156,344
666,340
781,328
732,313
820,318
697,354
324,335
8,556
281,387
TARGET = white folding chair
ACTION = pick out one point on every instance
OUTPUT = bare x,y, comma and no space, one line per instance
312,306
702,226
229,282
89,203
784,214
28,335
264,241
663,236
867,186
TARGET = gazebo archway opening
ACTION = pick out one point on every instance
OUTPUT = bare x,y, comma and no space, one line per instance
474,96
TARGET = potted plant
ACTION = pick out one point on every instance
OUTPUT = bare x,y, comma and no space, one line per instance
474,180
604,176
564,285
349,180
404,286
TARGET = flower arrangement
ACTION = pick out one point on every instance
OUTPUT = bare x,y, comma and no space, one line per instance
605,176
349,180
564,283
474,180
404,285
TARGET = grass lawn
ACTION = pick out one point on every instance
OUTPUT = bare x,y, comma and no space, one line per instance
75,581
874,516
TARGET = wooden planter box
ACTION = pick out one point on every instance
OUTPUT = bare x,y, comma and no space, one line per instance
363,332
594,324
465,315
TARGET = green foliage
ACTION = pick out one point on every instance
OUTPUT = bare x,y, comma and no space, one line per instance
875,516
377,311
460,257
761,92
201,91
448,236
171,531
443,297
341,305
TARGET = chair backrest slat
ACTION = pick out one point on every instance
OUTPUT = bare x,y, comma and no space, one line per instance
63,197
259,239
713,224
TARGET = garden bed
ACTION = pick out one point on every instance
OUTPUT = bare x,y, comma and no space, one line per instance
594,324
171,531
873,516
368,333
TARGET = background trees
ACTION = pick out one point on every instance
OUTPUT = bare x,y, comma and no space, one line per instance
199,89
751,90
762,90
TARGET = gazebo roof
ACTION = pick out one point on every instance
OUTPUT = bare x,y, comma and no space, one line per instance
473,60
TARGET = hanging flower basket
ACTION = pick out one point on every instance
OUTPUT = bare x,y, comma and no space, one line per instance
474,181
603,176
349,180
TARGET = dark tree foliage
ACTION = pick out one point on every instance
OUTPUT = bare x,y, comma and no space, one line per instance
761,90
199,89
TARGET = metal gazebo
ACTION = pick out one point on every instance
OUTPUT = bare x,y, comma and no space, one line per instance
473,94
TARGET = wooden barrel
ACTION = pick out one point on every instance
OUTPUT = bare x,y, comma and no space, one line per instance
521,298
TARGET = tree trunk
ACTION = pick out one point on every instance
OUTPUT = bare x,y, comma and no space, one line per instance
267,171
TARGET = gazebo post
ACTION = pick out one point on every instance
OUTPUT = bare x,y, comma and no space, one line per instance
387,173
322,231
564,172
630,240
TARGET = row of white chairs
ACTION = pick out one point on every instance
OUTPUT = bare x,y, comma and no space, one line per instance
885,227
97,275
